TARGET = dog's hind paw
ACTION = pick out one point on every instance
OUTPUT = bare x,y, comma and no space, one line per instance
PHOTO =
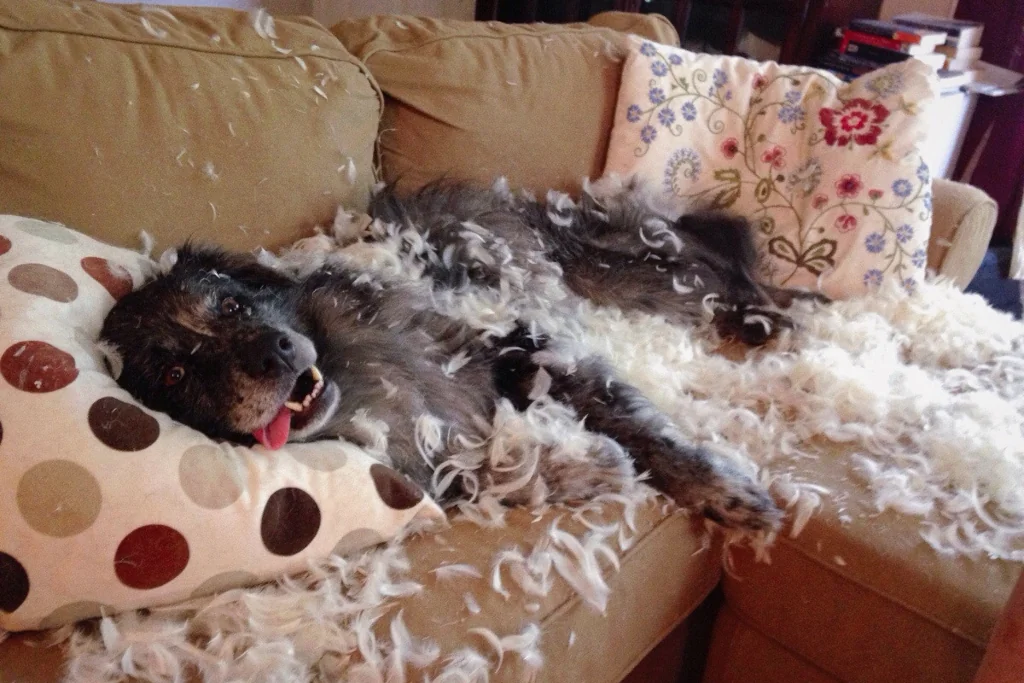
750,325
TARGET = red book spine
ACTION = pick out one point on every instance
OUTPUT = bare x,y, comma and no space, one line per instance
871,39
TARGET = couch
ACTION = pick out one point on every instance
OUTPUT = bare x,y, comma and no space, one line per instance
191,124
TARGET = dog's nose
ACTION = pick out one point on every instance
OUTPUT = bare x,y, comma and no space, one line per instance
272,353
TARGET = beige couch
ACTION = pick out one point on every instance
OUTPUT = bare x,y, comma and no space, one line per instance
197,126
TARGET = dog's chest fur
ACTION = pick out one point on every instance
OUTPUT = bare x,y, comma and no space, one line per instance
394,363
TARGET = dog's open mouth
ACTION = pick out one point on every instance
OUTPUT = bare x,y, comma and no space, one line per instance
296,411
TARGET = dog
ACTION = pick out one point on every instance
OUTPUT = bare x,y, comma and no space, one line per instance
253,354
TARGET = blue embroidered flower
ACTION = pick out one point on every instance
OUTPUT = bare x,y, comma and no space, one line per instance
711,91
875,242
719,78
902,187
728,94
683,164
904,233
666,117
927,201
791,114
675,59
648,50
633,113
656,95
792,97
648,133
689,111
910,285
873,278
919,258
923,174
659,68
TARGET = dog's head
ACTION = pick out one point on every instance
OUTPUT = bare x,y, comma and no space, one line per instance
214,342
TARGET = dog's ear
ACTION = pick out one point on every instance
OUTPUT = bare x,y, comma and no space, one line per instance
241,267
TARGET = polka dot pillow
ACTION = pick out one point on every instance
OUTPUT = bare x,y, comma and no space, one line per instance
105,506
831,175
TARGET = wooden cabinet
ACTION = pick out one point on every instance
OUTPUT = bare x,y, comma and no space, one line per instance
798,29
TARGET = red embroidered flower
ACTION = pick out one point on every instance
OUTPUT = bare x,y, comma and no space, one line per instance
759,82
875,195
859,120
849,186
774,157
820,201
730,148
845,223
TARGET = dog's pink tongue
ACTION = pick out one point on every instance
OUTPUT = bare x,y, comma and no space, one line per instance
275,434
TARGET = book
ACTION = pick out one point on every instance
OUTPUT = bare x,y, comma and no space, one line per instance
882,56
959,58
954,80
902,33
850,35
847,66
958,31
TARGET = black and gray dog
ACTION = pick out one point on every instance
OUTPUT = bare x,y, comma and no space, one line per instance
248,353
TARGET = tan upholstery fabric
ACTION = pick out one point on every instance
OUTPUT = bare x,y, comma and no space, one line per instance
473,101
860,596
663,578
207,131
962,223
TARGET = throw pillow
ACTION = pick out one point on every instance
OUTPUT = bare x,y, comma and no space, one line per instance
830,174
106,506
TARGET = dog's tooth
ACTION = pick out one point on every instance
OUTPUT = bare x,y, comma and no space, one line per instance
315,371
293,406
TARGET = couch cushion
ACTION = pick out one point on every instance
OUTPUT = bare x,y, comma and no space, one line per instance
182,122
472,101
893,608
663,577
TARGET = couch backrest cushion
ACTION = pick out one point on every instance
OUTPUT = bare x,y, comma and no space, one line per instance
182,122
473,100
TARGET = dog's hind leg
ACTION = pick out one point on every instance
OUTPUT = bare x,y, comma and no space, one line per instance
694,477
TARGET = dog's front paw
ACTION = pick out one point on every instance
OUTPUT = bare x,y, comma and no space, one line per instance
744,505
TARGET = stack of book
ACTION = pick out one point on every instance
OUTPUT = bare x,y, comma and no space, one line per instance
950,46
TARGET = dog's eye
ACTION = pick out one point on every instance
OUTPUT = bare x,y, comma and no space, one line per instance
229,306
174,375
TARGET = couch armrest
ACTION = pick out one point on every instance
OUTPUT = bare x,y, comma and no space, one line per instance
963,218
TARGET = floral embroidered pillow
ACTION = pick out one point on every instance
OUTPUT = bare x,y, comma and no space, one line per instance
830,174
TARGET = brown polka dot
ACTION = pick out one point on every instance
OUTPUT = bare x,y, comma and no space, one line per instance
212,477
47,231
225,581
122,426
151,556
5,245
35,278
13,583
37,367
357,539
396,490
59,498
72,612
323,457
114,278
290,521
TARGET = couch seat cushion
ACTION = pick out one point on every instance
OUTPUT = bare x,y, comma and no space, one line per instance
892,607
473,101
664,575
181,122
